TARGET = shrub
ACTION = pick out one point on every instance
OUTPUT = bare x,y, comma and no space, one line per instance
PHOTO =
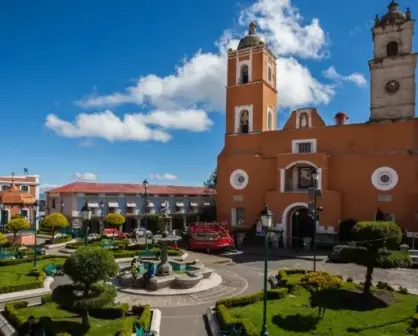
239,301
46,298
403,290
142,318
385,286
350,279
3,239
226,321
16,225
345,228
39,283
114,219
393,259
59,240
54,222
320,280
12,314
10,262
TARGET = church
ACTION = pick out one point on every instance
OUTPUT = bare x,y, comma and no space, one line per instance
365,171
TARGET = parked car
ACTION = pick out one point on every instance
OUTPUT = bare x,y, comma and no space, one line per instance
414,256
114,233
335,254
93,236
140,232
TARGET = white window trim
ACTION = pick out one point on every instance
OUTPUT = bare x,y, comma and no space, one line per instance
24,185
238,110
298,115
250,70
270,111
28,212
295,145
270,66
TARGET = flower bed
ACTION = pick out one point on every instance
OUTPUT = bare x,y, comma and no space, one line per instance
61,322
346,311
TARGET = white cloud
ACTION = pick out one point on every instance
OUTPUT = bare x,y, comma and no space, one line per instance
45,187
163,177
356,78
86,143
86,177
183,99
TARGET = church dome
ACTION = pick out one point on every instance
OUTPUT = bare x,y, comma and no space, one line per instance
394,15
252,39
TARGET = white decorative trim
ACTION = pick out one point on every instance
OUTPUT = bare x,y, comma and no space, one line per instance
391,174
295,143
235,178
240,64
282,180
285,216
303,111
238,110
270,126
301,162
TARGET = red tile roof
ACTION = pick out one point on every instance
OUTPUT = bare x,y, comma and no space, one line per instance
86,187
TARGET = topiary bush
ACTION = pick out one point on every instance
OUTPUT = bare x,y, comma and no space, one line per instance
345,233
393,259
320,280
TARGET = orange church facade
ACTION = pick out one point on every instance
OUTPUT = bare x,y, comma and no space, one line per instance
365,170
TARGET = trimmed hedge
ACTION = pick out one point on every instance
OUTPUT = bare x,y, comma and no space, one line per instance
226,320
320,280
35,284
288,279
385,258
12,314
142,318
11,262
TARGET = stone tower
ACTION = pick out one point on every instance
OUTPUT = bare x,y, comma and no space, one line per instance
392,68
251,95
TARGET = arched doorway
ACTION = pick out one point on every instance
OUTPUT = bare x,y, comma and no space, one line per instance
130,224
302,226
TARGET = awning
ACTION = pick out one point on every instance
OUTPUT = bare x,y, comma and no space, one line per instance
113,204
93,205
179,204
131,205
193,204
206,204
150,205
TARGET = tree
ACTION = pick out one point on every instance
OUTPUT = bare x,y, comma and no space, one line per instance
3,239
210,183
16,225
89,265
17,216
375,236
114,219
54,222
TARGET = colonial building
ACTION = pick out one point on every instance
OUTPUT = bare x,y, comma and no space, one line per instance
132,200
18,195
365,170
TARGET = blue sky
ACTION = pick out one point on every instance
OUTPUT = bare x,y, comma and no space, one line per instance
61,59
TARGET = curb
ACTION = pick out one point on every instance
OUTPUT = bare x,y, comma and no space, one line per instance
212,321
53,246
6,329
156,321
27,294
302,257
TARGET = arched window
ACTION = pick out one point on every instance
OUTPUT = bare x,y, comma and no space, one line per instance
392,49
269,73
244,74
269,121
244,120
303,120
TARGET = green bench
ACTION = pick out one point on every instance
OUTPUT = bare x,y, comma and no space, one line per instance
139,331
106,244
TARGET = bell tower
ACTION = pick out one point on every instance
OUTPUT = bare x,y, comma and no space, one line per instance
392,68
251,95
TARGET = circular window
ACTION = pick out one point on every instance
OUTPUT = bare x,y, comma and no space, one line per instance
385,178
239,179
392,86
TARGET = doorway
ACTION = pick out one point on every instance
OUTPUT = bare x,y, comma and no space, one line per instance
302,227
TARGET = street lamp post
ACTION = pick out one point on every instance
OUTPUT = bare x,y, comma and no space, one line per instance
145,195
313,208
86,214
35,250
266,218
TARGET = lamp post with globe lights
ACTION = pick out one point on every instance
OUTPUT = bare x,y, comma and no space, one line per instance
266,219
86,214
314,193
145,195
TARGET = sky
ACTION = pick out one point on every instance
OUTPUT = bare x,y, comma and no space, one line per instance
119,91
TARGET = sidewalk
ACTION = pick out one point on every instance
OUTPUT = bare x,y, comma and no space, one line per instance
285,253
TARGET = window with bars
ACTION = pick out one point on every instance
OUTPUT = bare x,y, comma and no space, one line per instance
305,147
239,216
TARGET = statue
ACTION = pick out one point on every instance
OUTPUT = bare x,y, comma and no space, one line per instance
376,20
408,13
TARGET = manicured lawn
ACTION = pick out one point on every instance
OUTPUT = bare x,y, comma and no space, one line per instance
19,274
347,312
68,322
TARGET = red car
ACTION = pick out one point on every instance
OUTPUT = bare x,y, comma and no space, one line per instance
209,236
110,233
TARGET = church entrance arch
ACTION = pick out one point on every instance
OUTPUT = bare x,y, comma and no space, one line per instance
298,224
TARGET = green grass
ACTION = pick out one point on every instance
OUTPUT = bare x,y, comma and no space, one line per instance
346,314
19,274
64,321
